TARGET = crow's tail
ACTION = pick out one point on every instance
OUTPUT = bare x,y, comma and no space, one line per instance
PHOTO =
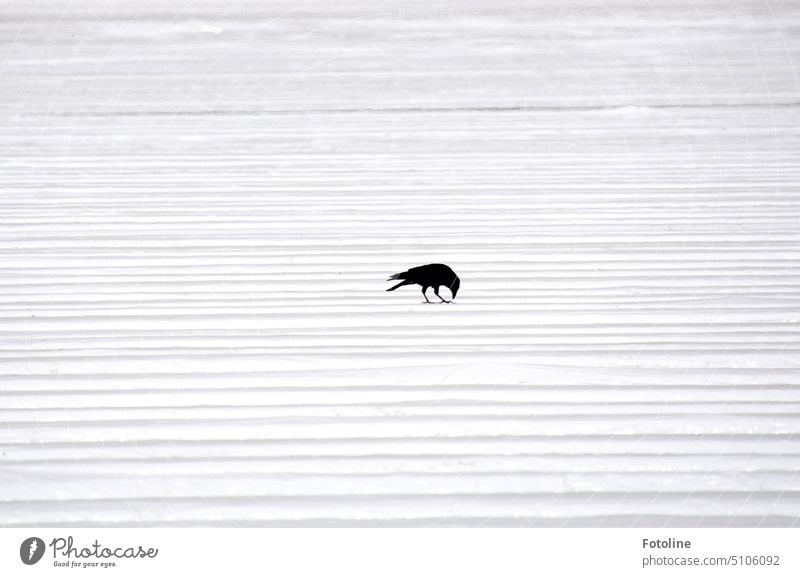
398,285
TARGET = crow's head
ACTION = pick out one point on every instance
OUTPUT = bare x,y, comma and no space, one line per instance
456,284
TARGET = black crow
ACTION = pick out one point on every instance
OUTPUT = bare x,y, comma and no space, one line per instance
427,276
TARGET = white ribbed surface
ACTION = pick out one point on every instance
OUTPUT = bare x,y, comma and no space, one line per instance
200,204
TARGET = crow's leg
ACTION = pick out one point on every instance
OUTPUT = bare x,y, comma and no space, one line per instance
423,294
436,292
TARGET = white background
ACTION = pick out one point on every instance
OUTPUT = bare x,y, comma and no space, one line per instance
200,203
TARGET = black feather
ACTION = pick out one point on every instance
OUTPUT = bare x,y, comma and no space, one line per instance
430,275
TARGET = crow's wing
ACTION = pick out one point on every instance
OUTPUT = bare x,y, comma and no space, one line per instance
398,276
424,273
